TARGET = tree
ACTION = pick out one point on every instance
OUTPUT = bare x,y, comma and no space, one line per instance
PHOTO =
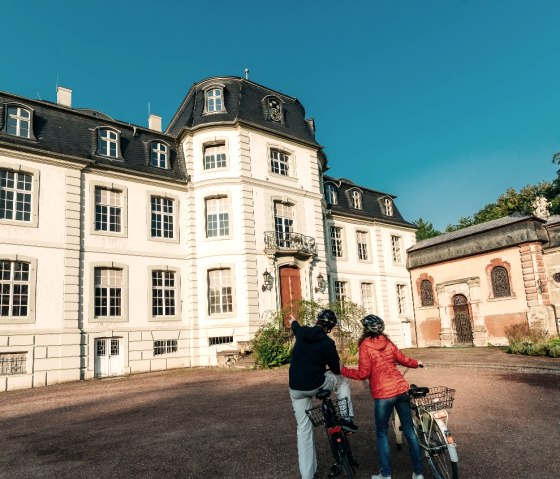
425,229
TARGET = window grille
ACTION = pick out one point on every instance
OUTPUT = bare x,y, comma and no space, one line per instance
500,282
396,245
336,242
15,195
215,157
426,293
14,288
217,217
162,217
279,162
220,291
215,340
18,122
163,293
159,155
13,363
108,292
362,245
108,209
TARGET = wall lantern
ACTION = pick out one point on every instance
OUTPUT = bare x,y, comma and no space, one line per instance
267,281
321,284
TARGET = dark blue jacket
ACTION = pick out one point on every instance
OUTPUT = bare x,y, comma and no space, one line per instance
313,352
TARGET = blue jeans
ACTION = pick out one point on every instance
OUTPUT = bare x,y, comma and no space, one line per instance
382,409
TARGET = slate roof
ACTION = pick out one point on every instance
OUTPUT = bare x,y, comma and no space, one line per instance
472,230
245,101
71,133
373,206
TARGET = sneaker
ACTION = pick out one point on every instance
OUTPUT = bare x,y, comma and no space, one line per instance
349,426
380,477
417,476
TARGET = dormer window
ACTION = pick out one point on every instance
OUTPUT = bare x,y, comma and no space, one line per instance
330,194
108,143
18,121
273,109
357,199
214,100
388,207
159,155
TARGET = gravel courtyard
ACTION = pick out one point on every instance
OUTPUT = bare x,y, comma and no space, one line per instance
227,423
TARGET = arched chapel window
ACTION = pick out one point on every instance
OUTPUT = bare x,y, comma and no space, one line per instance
500,282
426,293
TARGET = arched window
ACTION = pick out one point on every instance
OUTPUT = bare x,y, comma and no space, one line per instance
159,155
500,282
426,293
18,121
357,199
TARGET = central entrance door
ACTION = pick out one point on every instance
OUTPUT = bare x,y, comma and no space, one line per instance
290,288
108,357
462,325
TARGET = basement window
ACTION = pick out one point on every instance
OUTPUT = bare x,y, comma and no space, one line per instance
215,340
165,346
12,364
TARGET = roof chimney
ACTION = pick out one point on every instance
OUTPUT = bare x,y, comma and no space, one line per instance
311,126
64,96
154,122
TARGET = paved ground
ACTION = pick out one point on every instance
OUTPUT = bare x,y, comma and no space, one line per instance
212,423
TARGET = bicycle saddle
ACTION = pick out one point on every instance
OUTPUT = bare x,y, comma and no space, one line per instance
418,392
322,394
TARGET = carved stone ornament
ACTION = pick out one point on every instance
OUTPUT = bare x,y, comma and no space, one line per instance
274,110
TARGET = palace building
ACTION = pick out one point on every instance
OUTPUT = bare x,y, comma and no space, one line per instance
126,248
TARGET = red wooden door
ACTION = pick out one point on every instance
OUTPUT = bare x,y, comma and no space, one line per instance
290,287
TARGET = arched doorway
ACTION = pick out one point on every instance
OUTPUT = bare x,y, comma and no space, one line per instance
290,287
462,324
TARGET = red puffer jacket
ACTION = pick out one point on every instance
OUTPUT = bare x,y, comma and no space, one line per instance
378,362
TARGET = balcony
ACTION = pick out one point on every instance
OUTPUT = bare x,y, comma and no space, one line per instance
294,244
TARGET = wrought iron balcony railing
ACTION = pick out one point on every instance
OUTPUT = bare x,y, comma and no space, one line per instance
290,243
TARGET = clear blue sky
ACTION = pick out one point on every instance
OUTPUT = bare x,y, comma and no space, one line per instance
444,103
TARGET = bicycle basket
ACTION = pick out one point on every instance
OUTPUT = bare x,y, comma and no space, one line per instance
440,397
317,417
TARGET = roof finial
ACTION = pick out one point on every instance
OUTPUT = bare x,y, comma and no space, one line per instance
246,73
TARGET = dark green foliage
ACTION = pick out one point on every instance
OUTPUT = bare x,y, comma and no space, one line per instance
425,229
531,341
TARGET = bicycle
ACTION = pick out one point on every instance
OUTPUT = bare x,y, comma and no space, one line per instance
430,417
331,413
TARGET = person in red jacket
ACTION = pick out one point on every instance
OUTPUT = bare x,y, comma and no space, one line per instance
378,359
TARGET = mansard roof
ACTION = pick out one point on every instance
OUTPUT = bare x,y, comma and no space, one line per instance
373,203
71,133
245,102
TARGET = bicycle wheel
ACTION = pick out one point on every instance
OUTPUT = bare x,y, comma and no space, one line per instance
396,429
438,457
344,457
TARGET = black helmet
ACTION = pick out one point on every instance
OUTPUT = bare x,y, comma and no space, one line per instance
327,318
373,324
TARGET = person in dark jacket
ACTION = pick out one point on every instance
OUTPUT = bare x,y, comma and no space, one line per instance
378,359
314,365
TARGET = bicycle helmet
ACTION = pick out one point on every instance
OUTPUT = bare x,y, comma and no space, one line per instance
327,319
373,324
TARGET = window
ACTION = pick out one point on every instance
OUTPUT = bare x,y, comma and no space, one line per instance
15,286
220,291
159,156
163,293
108,209
217,217
368,298
388,207
500,282
279,162
214,100
396,245
108,143
13,363
283,223
215,157
426,293
165,346
401,299
108,283
336,242
340,291
162,217
16,190
357,199
330,194
215,340
18,121
361,238
274,110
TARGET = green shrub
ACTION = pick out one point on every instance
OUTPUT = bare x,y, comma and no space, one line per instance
271,345
531,341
